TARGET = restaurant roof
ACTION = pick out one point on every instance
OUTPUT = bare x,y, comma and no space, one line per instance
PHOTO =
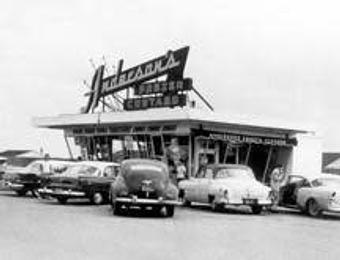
165,115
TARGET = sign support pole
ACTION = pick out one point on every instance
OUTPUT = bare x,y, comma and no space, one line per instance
202,98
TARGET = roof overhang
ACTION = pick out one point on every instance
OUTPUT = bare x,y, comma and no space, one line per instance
191,116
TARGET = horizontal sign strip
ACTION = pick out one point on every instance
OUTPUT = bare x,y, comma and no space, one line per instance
162,87
253,139
153,102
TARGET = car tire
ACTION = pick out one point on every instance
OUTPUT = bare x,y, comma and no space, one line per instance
35,193
170,211
216,206
62,200
117,208
97,198
313,208
21,192
256,209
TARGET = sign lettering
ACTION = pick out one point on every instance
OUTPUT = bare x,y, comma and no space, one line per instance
172,63
163,87
154,102
253,139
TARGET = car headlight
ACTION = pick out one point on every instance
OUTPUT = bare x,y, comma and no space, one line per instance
332,197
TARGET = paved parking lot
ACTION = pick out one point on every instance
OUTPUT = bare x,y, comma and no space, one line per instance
36,229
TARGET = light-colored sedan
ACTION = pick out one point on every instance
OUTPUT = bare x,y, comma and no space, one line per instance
226,184
311,194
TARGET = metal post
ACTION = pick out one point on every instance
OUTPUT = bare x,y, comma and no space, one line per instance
190,156
237,155
248,154
267,163
163,146
146,146
225,154
68,146
152,147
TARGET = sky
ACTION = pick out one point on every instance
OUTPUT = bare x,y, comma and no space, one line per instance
273,59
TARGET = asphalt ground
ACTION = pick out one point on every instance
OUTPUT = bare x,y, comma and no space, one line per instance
42,229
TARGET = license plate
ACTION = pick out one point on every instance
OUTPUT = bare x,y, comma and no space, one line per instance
249,201
147,189
59,191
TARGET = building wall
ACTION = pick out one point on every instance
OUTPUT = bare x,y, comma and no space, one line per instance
307,155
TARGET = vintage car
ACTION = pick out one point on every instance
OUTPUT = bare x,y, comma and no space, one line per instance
144,184
226,184
3,164
32,177
312,194
85,179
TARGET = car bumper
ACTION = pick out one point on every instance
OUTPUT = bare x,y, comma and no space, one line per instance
333,207
14,186
247,203
142,201
61,193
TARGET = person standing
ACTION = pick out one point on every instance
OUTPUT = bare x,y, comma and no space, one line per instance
181,171
277,179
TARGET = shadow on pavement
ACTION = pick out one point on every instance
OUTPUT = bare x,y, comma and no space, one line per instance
298,213
140,213
226,210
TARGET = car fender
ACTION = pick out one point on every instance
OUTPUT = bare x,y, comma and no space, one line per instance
216,191
321,196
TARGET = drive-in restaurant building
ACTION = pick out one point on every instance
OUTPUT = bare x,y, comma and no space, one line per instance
134,113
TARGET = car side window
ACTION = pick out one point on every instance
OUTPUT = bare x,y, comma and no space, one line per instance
109,171
299,181
37,168
295,179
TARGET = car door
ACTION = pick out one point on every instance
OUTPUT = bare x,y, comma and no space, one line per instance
203,189
192,189
289,191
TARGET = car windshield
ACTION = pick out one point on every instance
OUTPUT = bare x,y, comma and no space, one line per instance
234,173
326,182
81,170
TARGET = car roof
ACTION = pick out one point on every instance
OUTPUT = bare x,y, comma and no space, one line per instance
143,161
228,165
316,176
53,161
98,164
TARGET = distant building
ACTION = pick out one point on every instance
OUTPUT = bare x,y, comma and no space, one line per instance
20,157
331,163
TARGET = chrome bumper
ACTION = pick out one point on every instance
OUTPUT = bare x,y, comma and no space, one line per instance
65,193
142,201
241,203
333,207
14,186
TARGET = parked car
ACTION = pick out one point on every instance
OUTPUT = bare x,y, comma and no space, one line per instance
85,179
3,164
312,194
226,184
144,184
33,176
